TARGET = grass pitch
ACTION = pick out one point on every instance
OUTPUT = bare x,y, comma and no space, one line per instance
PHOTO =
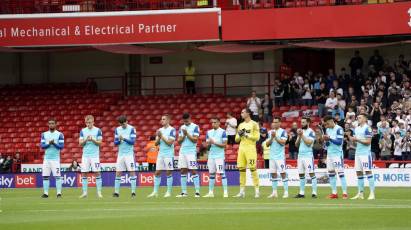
24,209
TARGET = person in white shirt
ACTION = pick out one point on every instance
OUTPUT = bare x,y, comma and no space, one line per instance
395,128
331,103
231,128
336,89
298,79
254,104
398,147
307,95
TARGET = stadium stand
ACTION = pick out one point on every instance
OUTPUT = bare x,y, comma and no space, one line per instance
25,110
385,90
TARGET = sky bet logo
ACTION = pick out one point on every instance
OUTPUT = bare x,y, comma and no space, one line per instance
68,181
6,182
126,179
25,181
146,179
205,179
90,179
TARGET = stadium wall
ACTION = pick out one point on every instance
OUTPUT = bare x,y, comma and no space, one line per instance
205,63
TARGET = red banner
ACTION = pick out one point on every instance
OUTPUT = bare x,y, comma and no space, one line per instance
317,22
109,28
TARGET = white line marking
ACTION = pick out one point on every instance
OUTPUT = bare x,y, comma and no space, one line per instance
238,209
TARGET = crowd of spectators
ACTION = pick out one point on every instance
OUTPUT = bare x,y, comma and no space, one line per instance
382,91
9,164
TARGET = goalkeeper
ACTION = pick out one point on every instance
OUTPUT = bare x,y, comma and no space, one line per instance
248,134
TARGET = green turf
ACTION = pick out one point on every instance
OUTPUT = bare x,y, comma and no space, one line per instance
24,209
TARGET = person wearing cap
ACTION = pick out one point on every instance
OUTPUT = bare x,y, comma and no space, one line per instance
263,137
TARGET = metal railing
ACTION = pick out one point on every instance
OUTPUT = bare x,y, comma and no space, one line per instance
214,83
108,84
61,6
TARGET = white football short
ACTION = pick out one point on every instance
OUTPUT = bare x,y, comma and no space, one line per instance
187,161
125,163
51,167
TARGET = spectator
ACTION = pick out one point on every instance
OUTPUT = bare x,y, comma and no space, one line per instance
350,114
395,128
376,60
1,159
375,147
307,94
74,167
401,128
231,128
344,78
393,97
254,104
372,73
267,107
299,80
292,138
92,86
16,163
341,106
357,81
321,98
7,165
395,105
351,145
397,147
203,152
266,154
376,112
152,152
316,83
406,146
353,102
322,163
338,120
398,68
263,137
331,103
383,126
336,88
367,98
291,93
330,78
349,94
363,105
356,63
190,72
278,93
385,146
382,98
318,145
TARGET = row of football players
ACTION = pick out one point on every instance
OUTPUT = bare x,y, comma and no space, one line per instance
248,134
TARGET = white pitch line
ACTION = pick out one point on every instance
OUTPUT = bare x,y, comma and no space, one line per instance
258,205
220,208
